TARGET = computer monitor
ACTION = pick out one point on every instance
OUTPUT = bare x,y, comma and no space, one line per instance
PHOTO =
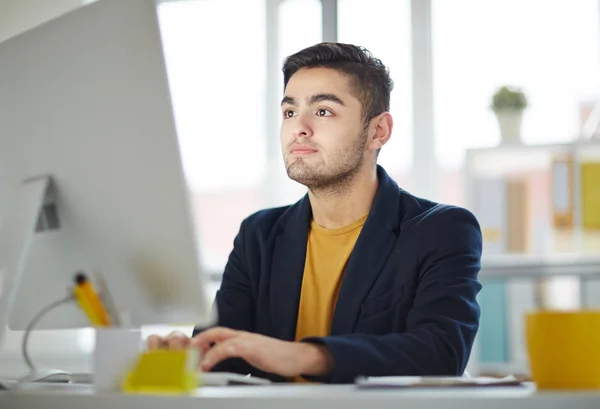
87,138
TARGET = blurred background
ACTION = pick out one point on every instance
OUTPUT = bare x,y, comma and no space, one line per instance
495,107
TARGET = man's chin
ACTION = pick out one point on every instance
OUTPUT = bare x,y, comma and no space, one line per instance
300,172
302,179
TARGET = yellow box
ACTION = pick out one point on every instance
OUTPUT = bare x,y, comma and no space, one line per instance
163,372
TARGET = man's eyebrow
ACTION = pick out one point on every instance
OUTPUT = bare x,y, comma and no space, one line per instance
325,97
288,100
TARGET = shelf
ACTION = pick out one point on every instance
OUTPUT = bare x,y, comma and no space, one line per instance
504,158
528,266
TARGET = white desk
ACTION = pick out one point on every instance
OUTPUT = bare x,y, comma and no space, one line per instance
300,397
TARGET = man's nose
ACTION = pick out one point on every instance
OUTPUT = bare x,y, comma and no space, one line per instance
302,129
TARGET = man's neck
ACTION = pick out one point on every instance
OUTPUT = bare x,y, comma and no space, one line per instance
340,207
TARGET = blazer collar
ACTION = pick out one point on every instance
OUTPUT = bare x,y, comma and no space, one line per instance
371,251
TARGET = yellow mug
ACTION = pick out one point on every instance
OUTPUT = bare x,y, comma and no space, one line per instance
564,349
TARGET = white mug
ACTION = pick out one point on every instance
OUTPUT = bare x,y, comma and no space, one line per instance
115,354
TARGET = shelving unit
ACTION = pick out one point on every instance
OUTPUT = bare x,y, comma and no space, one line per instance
549,251
549,261
505,161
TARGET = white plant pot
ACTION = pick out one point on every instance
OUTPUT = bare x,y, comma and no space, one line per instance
510,122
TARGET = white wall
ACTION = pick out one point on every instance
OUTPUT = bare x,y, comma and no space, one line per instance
17,16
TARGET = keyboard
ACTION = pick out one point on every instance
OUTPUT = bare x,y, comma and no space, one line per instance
227,378
204,379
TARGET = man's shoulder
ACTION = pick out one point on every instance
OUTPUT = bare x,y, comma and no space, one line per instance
434,217
405,211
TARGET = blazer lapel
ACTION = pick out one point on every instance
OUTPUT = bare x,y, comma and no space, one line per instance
287,270
372,250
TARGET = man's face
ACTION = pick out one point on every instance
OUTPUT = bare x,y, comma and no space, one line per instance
322,134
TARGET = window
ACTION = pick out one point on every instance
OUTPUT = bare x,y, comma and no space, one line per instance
216,63
383,27
549,48
299,27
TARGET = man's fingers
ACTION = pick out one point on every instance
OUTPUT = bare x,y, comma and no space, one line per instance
204,340
230,348
177,341
154,342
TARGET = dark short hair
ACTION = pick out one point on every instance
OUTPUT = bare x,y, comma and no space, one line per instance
370,79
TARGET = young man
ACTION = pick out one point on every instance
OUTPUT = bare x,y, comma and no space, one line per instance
359,277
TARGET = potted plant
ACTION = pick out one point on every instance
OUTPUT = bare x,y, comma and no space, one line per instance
508,103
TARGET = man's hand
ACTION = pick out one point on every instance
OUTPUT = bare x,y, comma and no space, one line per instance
272,355
287,359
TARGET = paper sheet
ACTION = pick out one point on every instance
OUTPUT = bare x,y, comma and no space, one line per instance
434,381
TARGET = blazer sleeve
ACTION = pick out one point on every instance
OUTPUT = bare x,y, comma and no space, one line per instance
233,301
441,326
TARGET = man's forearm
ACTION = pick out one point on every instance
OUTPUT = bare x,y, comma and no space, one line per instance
317,359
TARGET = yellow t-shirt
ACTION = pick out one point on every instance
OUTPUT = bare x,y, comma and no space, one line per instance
327,253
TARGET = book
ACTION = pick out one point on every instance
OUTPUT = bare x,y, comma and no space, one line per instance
562,192
590,195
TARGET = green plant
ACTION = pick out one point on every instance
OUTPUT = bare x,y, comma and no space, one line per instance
509,98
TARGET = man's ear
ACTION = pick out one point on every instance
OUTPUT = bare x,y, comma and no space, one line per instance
380,131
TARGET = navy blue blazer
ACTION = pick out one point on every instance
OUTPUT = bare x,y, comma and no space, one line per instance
407,303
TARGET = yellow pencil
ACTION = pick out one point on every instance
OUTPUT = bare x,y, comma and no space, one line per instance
86,306
90,300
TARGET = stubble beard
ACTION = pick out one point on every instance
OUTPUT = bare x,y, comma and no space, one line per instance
334,179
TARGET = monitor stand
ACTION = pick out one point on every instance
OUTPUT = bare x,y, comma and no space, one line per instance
17,228
32,209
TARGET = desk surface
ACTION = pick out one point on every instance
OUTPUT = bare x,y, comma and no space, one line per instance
301,396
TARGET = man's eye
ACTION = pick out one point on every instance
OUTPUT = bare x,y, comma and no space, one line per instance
323,112
288,114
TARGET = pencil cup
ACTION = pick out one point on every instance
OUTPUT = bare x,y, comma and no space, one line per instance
564,349
116,352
